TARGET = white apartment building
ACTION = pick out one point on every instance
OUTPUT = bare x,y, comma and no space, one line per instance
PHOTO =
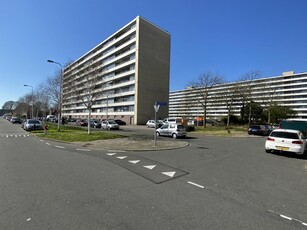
130,72
289,90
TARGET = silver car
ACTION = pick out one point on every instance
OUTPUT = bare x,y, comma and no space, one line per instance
173,130
32,124
109,124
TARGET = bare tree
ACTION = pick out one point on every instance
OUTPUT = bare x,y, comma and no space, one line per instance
230,95
88,89
51,88
246,90
202,88
268,99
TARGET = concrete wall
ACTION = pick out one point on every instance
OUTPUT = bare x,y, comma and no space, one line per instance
153,71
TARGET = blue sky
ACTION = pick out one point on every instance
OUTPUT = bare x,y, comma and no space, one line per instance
221,36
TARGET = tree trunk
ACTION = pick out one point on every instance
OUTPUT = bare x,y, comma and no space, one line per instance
88,121
249,115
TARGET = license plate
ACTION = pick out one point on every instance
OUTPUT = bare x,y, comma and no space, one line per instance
282,148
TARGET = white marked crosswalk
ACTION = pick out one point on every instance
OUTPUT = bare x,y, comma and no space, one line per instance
14,135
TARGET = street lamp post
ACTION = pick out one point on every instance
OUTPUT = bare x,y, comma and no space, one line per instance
32,113
60,97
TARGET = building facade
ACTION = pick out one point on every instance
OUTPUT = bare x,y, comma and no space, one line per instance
124,76
289,90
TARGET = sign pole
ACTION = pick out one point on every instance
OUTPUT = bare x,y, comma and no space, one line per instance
156,107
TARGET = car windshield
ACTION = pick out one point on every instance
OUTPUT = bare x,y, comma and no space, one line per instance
286,135
33,122
112,122
180,127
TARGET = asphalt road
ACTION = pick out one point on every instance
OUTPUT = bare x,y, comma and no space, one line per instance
215,183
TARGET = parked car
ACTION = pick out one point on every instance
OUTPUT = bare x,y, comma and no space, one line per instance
172,120
71,119
81,122
173,130
16,120
153,123
95,124
109,124
51,118
190,125
262,130
288,140
32,124
120,122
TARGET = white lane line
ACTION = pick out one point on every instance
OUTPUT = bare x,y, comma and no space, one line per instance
111,154
60,147
287,217
86,150
197,185
47,143
42,140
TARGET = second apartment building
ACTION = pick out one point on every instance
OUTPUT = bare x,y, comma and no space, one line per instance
131,68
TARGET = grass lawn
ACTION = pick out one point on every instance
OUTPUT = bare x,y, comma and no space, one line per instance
74,134
221,130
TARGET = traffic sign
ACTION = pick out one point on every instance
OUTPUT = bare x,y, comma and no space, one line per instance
162,103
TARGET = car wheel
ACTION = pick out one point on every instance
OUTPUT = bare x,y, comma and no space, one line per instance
158,134
174,135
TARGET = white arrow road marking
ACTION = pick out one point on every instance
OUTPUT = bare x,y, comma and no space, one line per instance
149,166
134,162
123,157
111,154
170,174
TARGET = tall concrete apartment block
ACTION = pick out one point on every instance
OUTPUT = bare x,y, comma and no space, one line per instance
288,90
132,69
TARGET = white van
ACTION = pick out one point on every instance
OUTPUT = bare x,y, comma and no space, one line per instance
172,120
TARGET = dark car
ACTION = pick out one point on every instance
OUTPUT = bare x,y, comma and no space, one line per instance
71,119
16,120
120,122
95,124
262,130
81,122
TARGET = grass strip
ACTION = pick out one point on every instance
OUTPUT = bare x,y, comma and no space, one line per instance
75,134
